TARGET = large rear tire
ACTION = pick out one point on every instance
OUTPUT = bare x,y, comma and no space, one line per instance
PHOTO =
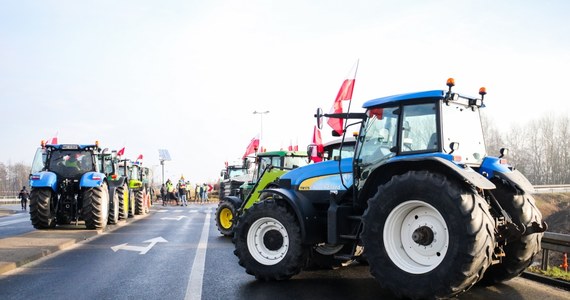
519,253
267,242
139,203
421,227
114,207
123,194
96,206
226,217
42,211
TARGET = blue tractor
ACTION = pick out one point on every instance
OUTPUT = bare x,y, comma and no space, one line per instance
68,184
420,202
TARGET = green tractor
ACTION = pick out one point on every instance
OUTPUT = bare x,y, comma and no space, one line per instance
270,166
139,204
109,166
123,190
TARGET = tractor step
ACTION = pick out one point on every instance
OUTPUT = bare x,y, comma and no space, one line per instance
349,236
343,257
355,218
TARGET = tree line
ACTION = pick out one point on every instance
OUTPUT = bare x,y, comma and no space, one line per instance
12,178
540,149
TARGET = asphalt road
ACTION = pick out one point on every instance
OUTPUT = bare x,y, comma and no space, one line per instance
177,253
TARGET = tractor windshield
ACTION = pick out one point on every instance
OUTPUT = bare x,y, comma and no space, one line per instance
70,164
377,137
462,124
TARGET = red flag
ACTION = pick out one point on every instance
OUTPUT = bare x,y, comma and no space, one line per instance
52,141
316,155
345,93
252,147
140,157
121,152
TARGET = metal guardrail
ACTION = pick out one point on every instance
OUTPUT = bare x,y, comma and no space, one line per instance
552,188
556,242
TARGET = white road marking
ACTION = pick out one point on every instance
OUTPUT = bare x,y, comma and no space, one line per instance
194,287
174,218
140,249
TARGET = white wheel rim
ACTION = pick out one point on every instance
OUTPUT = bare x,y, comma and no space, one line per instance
256,241
407,254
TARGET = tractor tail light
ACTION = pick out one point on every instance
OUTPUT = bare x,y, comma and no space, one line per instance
503,161
35,177
96,177
457,158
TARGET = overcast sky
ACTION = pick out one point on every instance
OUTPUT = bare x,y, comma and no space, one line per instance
187,75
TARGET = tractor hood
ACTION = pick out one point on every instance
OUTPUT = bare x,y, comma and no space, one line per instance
323,175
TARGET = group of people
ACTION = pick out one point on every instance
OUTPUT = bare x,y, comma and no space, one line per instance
182,192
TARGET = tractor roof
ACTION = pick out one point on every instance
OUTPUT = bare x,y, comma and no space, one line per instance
72,147
282,153
436,94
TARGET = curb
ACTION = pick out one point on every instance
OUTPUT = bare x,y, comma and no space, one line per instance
18,251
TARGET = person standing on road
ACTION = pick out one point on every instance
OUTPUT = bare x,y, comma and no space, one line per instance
24,195
170,191
197,193
201,191
205,192
182,192
163,194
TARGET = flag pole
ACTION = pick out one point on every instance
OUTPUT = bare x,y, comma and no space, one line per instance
350,101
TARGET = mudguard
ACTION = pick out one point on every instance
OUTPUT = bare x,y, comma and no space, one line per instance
235,201
44,179
492,167
91,179
303,209
467,173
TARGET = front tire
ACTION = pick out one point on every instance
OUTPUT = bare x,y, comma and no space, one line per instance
42,212
123,194
139,203
268,242
421,227
519,253
226,217
96,206
114,208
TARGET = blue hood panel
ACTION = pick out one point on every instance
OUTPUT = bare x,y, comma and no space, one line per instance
321,176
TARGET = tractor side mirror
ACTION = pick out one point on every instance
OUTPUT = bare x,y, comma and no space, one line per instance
319,116
503,152
310,149
453,146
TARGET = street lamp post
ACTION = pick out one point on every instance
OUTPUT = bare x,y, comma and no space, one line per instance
260,113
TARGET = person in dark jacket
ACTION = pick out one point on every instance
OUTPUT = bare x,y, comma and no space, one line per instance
24,196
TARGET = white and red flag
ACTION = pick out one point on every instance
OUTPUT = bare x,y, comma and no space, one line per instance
252,147
345,93
52,141
318,142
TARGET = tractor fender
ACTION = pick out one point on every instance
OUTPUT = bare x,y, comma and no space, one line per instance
235,201
44,179
433,163
303,210
492,167
91,179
